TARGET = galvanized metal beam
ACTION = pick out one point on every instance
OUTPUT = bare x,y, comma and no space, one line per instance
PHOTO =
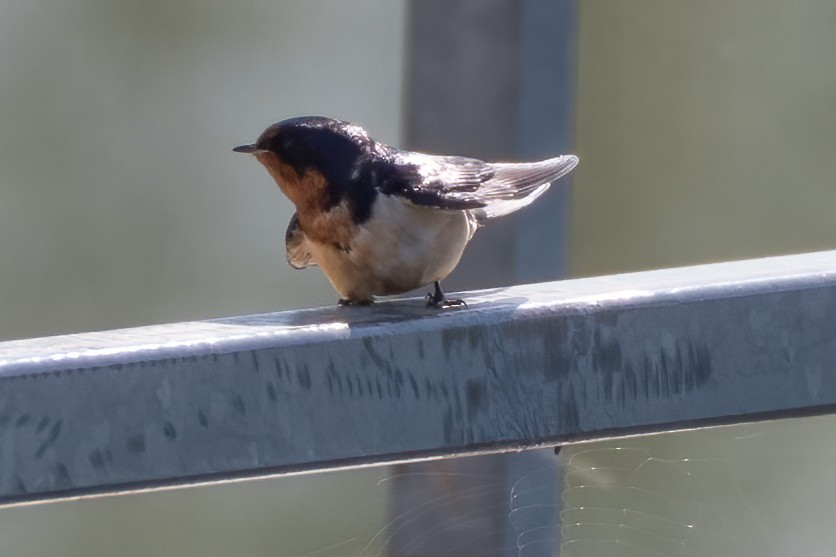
522,366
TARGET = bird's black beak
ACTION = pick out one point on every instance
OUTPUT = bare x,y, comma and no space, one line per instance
251,148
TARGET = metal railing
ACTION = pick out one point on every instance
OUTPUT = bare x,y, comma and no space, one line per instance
523,366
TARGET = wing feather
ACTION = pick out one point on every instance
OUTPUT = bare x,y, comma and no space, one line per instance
296,243
441,182
487,189
516,185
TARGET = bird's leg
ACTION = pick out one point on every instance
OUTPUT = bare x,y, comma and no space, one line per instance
436,299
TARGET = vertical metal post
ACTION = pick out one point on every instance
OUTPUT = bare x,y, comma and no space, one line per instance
545,126
492,79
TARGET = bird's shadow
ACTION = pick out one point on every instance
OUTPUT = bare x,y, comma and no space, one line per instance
385,311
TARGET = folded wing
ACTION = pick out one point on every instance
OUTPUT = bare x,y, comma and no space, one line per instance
488,190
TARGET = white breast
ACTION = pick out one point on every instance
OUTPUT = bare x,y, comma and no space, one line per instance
400,248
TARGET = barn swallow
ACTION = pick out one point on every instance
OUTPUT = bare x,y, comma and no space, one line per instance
378,220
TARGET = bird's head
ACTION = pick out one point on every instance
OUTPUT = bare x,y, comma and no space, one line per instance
312,159
313,143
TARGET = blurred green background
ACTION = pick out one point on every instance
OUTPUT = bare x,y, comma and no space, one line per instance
705,132
121,202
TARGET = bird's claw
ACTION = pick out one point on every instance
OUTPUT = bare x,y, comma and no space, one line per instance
436,299
443,304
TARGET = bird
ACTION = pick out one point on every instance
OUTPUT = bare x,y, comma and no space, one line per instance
379,220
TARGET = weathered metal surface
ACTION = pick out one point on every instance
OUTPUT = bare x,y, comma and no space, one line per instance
523,366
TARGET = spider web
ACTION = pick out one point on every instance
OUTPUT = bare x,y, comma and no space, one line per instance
740,490
757,490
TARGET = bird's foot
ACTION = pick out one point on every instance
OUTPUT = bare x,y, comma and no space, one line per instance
343,302
436,299
445,303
